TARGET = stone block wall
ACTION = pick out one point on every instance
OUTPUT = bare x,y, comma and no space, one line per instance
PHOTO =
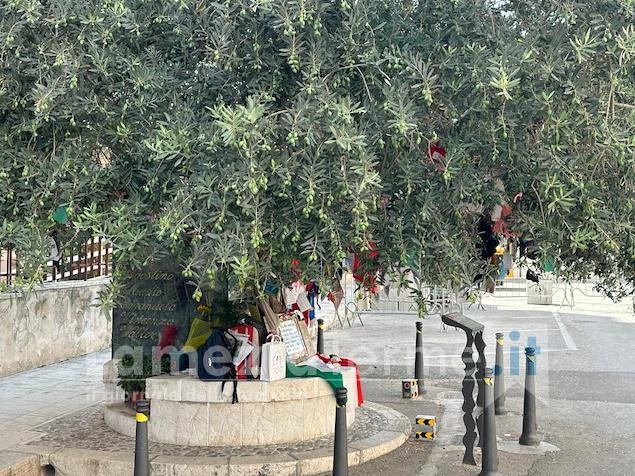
51,323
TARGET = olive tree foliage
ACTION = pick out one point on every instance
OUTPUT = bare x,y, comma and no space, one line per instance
240,135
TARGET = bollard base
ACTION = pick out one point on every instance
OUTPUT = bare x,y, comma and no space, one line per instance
529,440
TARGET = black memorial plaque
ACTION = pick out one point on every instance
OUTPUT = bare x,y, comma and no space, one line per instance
151,298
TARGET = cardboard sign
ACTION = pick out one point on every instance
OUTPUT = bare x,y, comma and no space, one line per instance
303,303
294,339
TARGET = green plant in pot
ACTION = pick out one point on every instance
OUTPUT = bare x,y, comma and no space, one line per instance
133,380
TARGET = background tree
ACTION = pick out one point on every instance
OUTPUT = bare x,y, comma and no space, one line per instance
240,135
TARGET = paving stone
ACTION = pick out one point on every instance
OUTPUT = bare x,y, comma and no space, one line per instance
189,466
262,465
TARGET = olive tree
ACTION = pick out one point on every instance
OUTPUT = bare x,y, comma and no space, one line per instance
240,135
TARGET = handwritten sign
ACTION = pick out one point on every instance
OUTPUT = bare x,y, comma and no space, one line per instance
289,330
151,298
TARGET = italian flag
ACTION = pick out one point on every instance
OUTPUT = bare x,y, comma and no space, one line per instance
320,366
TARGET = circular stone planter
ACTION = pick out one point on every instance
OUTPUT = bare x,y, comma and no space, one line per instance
187,411
82,445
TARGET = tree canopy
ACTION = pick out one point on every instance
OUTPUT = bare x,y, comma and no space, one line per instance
240,135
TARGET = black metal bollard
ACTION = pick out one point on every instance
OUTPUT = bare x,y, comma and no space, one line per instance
489,463
340,450
419,358
320,336
141,455
529,436
499,379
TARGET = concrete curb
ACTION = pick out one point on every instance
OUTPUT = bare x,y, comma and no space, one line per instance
13,463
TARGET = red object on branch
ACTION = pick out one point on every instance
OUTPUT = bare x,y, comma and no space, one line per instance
295,267
500,226
437,155
364,272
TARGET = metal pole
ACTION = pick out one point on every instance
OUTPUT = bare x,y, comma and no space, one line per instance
320,336
85,261
340,453
529,436
141,455
106,259
70,266
499,380
99,257
419,358
489,463
9,265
